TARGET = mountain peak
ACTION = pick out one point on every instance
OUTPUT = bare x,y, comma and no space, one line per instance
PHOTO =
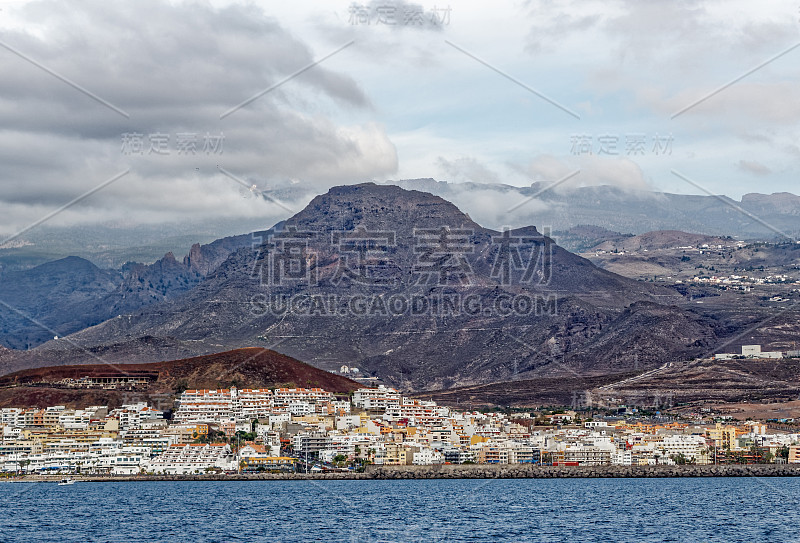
378,207
67,263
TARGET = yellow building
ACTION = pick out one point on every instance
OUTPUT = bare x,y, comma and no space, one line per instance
398,454
724,437
475,439
267,463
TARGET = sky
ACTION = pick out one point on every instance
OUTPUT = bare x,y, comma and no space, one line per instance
119,112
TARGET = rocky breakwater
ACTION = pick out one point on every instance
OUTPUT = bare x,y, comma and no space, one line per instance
469,471
524,471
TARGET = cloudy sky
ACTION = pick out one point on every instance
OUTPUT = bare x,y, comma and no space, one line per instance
173,110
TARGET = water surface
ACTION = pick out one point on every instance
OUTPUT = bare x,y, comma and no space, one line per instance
576,510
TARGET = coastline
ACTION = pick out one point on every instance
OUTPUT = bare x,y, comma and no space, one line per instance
473,471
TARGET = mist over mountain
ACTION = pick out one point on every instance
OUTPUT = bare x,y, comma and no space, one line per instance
493,205
615,211
620,210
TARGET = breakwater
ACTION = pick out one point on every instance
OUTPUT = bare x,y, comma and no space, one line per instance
471,471
523,471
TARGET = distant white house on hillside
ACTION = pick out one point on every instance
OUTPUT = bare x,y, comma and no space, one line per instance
750,351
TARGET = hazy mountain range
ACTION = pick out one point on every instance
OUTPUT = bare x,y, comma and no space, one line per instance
621,210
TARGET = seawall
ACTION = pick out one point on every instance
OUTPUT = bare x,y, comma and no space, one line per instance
473,471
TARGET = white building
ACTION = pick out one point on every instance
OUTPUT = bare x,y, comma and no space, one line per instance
771,354
300,409
192,458
378,399
752,351
12,416
285,396
427,456
223,405
691,447
118,460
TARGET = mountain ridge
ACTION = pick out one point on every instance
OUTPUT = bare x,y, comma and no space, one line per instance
64,296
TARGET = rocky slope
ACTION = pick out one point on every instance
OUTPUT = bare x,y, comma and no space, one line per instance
662,239
666,386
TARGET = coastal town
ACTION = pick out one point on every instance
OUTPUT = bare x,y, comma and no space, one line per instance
241,431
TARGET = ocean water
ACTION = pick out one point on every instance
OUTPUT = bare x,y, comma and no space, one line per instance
574,510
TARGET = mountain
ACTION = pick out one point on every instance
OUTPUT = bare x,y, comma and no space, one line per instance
66,351
671,256
784,203
709,380
351,266
110,244
65,296
244,368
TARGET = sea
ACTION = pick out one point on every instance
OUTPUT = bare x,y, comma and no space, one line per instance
570,510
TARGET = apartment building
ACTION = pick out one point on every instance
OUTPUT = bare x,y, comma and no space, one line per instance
724,437
285,396
376,399
252,403
204,406
587,455
692,447
400,454
224,404
310,443
185,459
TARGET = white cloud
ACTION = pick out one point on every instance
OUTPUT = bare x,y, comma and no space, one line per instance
466,169
594,170
399,102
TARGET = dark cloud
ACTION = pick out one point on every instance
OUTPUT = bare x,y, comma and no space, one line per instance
174,68
754,167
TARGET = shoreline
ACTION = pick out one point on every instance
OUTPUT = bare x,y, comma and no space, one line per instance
474,471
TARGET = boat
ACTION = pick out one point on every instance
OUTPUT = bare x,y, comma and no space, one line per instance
67,481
